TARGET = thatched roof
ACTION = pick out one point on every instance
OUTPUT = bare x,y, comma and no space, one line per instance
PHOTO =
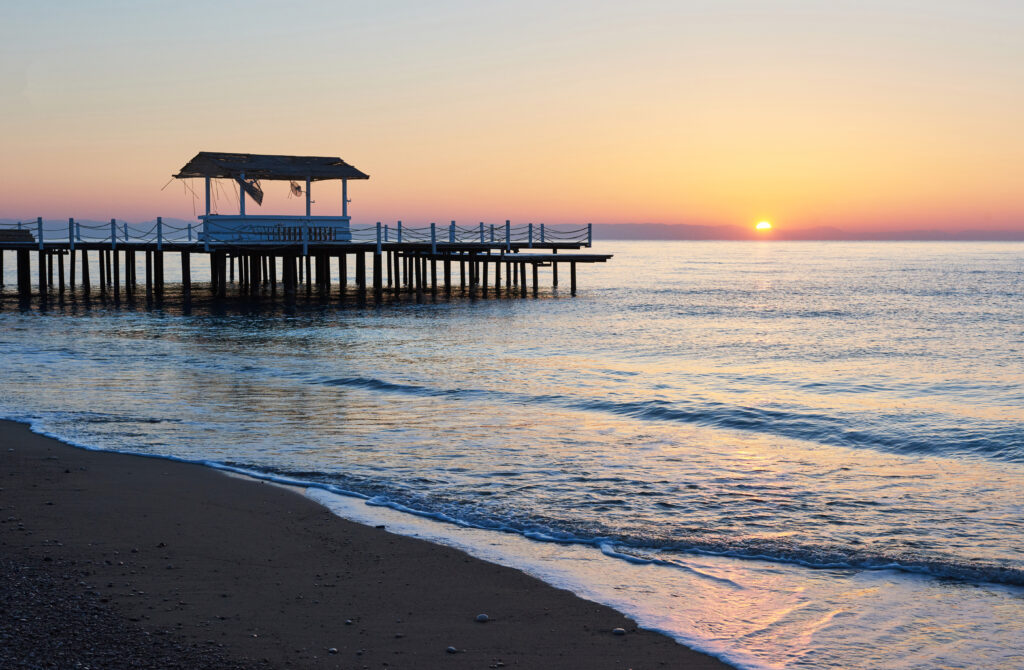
261,166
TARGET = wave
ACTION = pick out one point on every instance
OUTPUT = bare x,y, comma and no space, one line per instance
996,441
631,549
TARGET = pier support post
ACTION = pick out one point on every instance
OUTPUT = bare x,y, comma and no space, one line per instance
101,260
222,274
378,275
254,274
497,277
288,276
433,275
149,275
86,285
186,276
396,283
272,272
361,273
117,275
131,280
309,275
572,278
447,272
483,270
23,260
42,275
60,271
158,273
535,280
522,279
554,270
343,272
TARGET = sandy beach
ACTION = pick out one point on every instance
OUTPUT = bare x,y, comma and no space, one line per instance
125,561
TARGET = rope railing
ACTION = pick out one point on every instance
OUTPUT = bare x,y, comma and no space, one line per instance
290,231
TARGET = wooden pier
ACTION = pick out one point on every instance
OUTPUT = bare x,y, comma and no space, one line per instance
129,269
274,255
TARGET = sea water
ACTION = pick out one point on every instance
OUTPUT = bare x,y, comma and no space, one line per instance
785,454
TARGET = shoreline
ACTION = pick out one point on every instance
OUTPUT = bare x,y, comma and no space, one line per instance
249,574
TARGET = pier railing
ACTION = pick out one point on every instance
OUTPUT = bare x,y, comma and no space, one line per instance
301,232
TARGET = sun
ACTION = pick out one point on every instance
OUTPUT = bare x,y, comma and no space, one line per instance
764,225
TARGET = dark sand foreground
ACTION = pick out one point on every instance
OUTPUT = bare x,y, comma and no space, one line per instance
114,561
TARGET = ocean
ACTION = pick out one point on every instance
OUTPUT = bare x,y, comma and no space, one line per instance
786,454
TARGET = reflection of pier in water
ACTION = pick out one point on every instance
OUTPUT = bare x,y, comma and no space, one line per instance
283,255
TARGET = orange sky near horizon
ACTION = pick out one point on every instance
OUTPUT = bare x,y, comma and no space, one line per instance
858,115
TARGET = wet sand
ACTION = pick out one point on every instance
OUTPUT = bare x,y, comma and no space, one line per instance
127,561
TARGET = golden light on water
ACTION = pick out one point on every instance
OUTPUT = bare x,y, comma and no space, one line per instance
764,225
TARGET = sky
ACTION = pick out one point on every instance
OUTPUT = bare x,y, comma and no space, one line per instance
863,115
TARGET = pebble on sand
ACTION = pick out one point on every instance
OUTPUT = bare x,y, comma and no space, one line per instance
332,650
452,650
482,618
618,631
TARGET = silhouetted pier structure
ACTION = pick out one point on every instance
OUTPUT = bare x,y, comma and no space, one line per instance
269,255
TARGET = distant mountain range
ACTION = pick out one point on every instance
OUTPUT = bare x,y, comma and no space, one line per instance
680,231
677,231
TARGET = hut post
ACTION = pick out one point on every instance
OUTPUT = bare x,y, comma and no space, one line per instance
343,272
241,195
